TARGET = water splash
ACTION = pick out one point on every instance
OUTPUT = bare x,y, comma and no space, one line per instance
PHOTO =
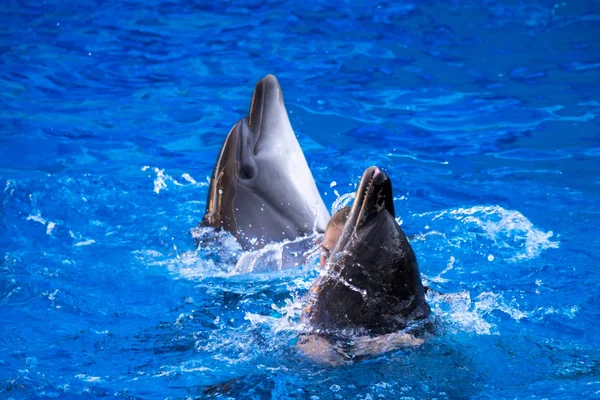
37,217
342,201
459,312
510,232
278,256
161,179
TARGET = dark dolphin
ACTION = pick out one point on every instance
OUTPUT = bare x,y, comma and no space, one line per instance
262,190
372,284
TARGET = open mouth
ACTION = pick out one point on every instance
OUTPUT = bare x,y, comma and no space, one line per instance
373,195
365,185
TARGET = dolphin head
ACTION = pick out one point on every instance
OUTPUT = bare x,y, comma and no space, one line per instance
372,283
261,189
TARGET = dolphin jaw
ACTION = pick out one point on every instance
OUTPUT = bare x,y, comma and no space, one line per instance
373,178
268,115
374,197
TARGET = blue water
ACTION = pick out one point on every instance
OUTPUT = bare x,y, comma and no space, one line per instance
484,114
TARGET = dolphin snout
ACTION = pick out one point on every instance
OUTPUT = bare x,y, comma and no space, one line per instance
267,102
270,80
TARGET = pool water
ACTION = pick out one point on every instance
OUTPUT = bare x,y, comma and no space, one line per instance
485,115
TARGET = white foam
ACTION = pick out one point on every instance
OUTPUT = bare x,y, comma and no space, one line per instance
87,378
287,321
50,227
198,264
463,314
271,257
160,182
223,342
458,313
188,178
510,231
420,158
85,243
438,278
37,218
342,201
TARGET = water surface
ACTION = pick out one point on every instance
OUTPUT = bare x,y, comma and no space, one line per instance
484,115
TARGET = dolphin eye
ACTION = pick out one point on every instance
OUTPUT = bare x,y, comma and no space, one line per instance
247,172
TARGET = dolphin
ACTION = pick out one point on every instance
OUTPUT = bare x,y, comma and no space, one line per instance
372,284
262,190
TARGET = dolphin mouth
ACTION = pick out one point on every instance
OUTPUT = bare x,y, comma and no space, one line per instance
374,195
259,129
364,187
267,100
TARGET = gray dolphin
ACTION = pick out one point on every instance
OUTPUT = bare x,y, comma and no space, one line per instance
372,284
262,190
